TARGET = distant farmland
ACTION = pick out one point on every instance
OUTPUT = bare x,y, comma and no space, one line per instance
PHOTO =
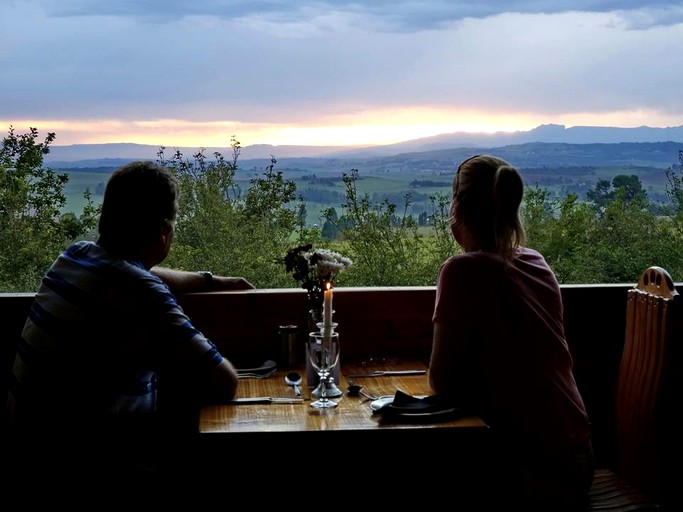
322,189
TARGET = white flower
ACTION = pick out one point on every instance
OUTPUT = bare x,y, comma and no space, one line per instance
327,263
312,268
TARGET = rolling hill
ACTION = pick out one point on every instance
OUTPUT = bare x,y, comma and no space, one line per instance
592,142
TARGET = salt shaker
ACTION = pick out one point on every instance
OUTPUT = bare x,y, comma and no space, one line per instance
290,348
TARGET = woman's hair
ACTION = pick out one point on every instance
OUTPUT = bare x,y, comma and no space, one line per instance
139,199
487,194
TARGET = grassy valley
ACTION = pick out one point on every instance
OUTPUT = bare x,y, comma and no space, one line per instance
322,189
561,168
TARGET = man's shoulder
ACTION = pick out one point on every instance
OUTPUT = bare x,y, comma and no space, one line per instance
87,264
85,251
81,247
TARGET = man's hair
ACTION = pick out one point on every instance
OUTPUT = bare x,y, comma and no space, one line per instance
139,198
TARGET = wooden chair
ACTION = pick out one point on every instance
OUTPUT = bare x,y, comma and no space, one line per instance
644,414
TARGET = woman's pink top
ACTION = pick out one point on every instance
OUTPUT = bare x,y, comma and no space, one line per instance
500,349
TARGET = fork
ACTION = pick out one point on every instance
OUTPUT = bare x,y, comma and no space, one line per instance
254,375
355,389
367,394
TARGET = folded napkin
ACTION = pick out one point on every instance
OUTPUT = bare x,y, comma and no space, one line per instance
405,406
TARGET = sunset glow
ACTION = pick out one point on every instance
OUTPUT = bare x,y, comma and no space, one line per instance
345,73
368,128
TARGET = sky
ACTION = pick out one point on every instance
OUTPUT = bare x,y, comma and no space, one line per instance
333,73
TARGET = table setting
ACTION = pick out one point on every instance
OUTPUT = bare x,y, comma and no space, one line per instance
392,400
305,392
388,393
402,406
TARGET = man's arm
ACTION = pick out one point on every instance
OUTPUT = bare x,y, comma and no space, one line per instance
223,382
181,281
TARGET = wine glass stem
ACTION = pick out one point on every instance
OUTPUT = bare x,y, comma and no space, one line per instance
323,388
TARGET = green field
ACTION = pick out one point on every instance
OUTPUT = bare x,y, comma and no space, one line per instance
393,186
79,182
326,189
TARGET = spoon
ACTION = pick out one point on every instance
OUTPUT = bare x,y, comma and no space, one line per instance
294,379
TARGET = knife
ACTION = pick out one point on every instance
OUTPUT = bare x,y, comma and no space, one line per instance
267,400
381,373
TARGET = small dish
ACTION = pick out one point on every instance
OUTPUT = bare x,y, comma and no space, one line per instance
405,406
266,367
376,405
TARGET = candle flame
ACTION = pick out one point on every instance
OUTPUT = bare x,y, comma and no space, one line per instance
328,285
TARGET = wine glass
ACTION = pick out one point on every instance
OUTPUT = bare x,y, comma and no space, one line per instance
323,353
332,390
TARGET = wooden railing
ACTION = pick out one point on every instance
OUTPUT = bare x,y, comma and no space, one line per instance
385,322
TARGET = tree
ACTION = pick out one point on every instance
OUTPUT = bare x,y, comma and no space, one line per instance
230,231
600,194
605,192
626,239
33,228
444,243
386,248
559,228
674,188
610,238
632,187
330,230
674,233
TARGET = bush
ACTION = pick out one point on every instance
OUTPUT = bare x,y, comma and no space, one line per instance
33,231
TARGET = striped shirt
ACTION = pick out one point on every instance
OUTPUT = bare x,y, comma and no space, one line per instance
98,332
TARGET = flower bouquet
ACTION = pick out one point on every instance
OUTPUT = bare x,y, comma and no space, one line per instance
312,268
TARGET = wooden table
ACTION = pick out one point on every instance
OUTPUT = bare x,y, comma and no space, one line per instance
287,446
353,413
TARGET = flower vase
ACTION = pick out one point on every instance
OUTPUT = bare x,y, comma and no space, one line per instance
315,322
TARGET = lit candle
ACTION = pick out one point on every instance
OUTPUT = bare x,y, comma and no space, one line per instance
327,305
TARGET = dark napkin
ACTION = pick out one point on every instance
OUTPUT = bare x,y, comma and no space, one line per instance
405,406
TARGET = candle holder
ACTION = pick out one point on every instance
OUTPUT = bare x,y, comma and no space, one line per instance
323,352
312,378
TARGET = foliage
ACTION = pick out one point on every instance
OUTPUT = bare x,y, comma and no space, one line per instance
625,240
674,192
33,231
445,245
674,189
388,248
610,238
613,245
604,192
223,228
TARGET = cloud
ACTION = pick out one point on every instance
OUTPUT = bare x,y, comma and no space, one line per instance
398,15
306,63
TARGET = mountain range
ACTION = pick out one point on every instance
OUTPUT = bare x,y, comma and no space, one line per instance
558,136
